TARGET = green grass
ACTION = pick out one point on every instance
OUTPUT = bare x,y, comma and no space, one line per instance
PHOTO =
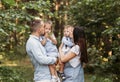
88,78
26,73
25,67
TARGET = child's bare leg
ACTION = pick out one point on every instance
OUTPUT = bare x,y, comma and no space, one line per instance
52,70
54,73
61,70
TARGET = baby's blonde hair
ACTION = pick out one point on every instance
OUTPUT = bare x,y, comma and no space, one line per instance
67,26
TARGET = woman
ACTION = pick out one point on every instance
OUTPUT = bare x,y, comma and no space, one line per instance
75,58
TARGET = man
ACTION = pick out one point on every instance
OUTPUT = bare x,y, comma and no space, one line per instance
37,53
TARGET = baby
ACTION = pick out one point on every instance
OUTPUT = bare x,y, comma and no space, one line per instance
66,44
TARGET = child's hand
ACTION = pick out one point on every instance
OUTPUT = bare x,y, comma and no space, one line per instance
46,35
50,35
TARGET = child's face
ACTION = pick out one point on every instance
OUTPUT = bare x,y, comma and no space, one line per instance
66,32
47,28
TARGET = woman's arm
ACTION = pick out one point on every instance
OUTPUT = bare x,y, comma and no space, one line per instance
66,57
74,51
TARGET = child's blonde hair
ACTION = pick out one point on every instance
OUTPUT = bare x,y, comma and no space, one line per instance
67,26
48,22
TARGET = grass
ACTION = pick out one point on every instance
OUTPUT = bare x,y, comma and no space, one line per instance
27,73
24,66
88,78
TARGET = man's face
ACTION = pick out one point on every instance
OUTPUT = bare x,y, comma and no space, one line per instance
42,30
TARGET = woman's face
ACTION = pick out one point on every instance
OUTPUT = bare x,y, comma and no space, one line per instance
71,32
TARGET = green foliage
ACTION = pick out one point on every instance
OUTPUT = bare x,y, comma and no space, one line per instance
100,79
103,34
14,24
8,3
10,75
101,19
40,7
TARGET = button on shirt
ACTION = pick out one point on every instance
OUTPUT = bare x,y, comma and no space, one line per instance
40,61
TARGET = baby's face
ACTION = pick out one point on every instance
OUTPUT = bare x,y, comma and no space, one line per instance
66,32
47,28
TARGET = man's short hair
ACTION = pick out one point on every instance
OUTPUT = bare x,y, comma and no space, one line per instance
36,24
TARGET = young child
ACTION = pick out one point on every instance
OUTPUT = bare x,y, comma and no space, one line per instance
49,42
66,44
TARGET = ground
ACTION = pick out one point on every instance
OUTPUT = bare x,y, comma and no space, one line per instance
26,68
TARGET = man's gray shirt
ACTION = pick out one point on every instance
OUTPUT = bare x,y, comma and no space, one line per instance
40,61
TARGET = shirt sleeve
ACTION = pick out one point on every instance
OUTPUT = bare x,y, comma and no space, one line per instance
75,49
40,56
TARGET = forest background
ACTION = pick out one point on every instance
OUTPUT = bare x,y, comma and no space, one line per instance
100,19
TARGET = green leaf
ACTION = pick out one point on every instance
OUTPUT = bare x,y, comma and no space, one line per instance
9,2
1,30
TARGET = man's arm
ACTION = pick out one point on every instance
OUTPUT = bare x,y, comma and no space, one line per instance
40,56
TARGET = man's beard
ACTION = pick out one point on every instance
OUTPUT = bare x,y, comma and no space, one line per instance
42,34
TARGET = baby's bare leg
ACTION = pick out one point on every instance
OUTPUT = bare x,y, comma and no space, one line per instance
61,67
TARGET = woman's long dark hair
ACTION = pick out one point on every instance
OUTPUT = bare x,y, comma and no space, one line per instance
79,39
